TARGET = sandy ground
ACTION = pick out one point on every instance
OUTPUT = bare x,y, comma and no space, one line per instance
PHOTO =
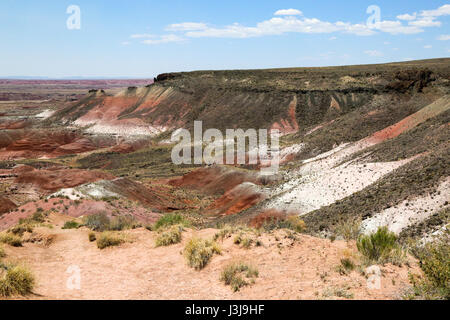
301,269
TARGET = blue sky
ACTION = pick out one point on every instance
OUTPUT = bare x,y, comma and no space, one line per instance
138,38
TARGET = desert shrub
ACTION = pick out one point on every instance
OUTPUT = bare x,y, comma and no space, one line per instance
296,224
198,252
71,225
224,232
36,218
97,222
238,275
11,239
92,236
379,247
20,229
292,222
349,229
109,239
171,219
120,223
2,252
435,264
170,236
346,266
15,280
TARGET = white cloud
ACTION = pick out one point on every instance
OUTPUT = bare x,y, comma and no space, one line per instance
441,11
374,53
428,46
386,43
444,37
126,43
332,38
407,17
187,26
142,35
289,21
425,22
396,27
288,12
164,39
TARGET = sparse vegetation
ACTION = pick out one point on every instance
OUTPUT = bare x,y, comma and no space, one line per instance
171,219
380,247
20,229
71,225
97,222
349,229
435,264
15,280
346,266
109,239
11,239
2,252
170,236
238,275
198,252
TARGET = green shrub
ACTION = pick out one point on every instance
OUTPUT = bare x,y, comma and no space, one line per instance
97,222
435,264
171,219
346,266
237,275
92,236
109,239
71,225
15,280
378,247
170,236
198,252
11,239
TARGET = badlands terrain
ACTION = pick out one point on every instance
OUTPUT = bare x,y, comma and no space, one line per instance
362,147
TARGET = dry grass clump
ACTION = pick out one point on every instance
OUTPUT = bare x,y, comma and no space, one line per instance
101,222
198,252
11,239
238,275
349,230
92,237
169,236
15,280
2,252
110,239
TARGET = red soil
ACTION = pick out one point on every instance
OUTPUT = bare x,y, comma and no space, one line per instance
236,200
18,124
6,205
55,179
77,209
411,121
268,216
36,144
214,180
